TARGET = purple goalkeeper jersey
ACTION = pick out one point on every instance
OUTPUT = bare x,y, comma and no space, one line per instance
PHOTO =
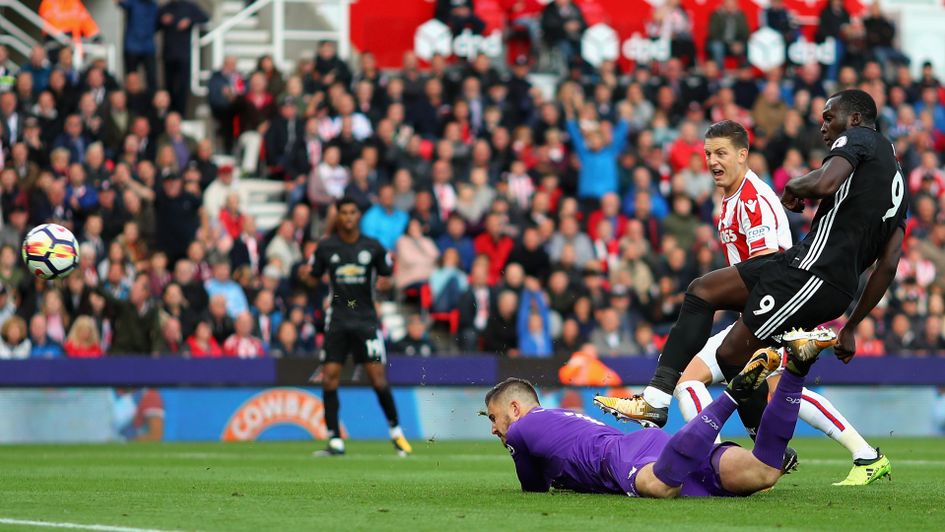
565,449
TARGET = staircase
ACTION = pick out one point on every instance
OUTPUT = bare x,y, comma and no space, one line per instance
247,41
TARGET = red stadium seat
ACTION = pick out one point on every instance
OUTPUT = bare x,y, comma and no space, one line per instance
451,317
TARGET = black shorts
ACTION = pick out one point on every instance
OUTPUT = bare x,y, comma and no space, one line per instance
782,297
362,340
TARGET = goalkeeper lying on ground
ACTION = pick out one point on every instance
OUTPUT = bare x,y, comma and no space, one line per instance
564,449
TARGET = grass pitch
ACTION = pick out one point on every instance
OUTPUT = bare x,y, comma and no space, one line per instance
445,485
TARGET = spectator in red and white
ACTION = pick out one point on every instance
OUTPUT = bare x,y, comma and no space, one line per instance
216,194
83,340
927,177
670,21
242,343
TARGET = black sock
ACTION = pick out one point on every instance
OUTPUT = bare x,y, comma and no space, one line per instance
386,398
330,398
750,409
686,338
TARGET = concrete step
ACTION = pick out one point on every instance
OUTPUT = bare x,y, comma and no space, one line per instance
247,37
230,7
248,50
249,24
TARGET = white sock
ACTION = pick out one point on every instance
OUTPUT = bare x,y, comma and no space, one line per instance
396,432
657,398
692,397
337,444
820,413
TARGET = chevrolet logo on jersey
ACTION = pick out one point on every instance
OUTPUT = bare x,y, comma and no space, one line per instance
350,274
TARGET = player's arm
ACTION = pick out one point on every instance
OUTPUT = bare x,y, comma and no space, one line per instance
821,183
879,281
526,466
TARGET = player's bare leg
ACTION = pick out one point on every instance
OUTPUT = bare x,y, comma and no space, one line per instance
722,289
377,374
331,378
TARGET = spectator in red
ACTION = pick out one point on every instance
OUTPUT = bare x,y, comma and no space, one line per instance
495,245
609,210
231,217
83,340
202,343
688,144
242,343
253,111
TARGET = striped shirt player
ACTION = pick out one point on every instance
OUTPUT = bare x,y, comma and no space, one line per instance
752,221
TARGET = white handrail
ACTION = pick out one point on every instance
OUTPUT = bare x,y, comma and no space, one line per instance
13,42
35,19
229,23
279,35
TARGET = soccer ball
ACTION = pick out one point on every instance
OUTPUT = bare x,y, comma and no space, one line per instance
50,251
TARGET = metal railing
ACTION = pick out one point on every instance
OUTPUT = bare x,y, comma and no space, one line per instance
280,35
23,42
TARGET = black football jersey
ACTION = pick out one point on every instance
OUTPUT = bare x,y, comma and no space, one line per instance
851,228
353,270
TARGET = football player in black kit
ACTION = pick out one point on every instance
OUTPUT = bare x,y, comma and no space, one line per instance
860,222
353,262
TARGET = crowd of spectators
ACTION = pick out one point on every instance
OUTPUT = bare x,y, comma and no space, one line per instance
527,225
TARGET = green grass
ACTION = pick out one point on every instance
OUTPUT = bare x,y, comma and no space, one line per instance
446,485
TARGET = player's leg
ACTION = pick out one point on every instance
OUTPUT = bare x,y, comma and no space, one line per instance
373,357
693,446
817,411
739,473
740,337
722,289
333,356
691,393
331,378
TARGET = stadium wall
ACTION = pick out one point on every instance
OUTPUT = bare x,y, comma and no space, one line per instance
95,415
438,398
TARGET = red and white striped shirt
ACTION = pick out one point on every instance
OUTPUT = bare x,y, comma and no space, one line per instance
753,221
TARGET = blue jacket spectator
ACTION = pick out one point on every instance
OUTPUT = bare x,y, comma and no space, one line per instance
448,283
383,221
141,25
222,284
598,174
534,326
455,238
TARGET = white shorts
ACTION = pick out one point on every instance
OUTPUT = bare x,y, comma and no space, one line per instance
707,355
